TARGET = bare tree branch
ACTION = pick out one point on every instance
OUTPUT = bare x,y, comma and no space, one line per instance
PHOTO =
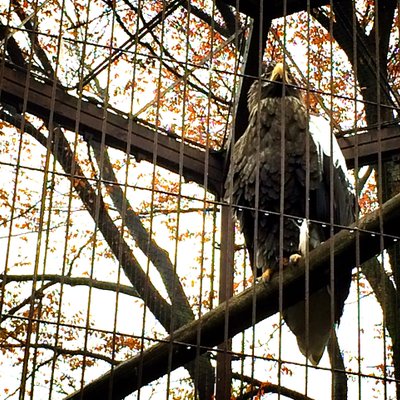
36,295
160,259
74,281
70,352
259,388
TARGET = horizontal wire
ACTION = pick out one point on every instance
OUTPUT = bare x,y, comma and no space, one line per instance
208,349
215,69
201,199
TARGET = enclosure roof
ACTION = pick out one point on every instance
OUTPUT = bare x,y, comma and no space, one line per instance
274,9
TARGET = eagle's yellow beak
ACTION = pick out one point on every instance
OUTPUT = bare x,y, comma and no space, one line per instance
279,73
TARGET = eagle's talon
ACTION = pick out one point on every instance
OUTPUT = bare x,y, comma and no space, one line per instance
266,275
294,258
285,262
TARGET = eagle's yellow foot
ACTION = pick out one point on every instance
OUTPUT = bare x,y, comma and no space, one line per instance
285,262
266,275
294,258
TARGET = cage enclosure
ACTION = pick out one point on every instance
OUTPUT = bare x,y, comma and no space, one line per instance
199,199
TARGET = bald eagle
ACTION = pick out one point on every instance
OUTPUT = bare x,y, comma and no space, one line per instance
275,177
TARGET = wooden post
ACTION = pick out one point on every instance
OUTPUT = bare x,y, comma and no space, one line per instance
224,358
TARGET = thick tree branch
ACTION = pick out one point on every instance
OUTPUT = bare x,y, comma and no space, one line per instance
160,259
364,53
182,345
40,53
158,256
11,46
228,16
385,293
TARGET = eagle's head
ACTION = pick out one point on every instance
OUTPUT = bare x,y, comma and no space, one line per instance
276,81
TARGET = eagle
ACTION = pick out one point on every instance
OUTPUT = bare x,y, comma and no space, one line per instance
285,160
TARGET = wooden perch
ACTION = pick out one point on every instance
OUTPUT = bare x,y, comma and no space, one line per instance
209,331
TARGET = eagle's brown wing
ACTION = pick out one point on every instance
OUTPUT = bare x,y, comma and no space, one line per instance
277,166
255,178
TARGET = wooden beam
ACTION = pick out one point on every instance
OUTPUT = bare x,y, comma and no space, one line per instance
367,145
142,139
273,9
95,122
223,386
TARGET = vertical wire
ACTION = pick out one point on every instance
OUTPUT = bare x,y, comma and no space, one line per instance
30,327
257,182
236,84
307,203
331,196
380,181
357,191
52,143
50,188
70,194
98,184
124,202
243,341
205,187
153,189
213,255
282,214
397,300
8,247
179,195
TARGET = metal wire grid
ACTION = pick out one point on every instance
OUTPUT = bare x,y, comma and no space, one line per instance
62,338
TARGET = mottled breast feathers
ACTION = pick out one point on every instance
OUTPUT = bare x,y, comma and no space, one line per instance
275,141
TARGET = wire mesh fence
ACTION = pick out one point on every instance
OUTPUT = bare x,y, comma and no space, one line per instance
199,199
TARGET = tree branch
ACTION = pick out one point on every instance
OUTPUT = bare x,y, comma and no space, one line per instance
339,379
365,58
161,261
69,352
161,309
158,256
95,205
40,53
274,9
266,387
385,293
74,281
183,344
36,295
